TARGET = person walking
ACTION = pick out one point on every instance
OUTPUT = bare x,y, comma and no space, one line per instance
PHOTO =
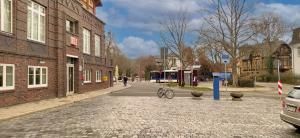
125,79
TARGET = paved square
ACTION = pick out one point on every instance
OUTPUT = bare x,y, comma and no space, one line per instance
137,116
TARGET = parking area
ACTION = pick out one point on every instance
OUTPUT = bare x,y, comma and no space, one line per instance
148,116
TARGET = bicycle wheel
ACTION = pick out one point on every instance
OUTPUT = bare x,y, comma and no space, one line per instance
169,94
160,92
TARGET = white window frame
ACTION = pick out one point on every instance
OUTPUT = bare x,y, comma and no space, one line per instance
97,46
34,77
98,76
86,41
68,26
30,8
2,16
4,87
87,74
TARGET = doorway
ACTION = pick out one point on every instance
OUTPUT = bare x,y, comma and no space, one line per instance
110,78
70,79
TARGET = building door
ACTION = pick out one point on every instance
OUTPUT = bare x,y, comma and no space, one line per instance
70,79
187,78
110,78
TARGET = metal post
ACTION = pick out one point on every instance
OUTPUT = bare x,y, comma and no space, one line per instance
181,73
165,64
225,77
255,74
192,78
278,69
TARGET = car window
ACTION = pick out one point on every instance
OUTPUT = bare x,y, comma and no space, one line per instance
294,94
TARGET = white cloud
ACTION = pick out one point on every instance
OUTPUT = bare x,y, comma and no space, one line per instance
145,15
135,47
102,15
290,13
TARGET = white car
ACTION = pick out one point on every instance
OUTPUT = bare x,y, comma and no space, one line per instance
291,108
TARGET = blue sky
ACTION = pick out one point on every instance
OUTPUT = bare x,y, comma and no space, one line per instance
135,26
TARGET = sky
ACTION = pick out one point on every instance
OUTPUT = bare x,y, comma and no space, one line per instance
135,23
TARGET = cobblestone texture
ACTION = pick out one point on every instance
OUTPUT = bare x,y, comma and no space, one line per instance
128,116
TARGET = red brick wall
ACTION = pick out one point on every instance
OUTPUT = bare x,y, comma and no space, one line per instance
16,49
22,93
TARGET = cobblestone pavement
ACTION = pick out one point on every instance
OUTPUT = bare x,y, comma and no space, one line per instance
149,116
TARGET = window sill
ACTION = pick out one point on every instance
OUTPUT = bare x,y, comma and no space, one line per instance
35,41
87,54
74,34
98,81
7,90
7,34
36,87
87,82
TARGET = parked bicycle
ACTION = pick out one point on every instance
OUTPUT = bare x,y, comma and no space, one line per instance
169,93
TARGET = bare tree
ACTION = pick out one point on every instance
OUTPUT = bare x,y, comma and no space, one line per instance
112,51
210,48
268,28
228,26
143,66
111,47
173,33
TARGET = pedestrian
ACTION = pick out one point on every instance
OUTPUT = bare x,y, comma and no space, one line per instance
125,79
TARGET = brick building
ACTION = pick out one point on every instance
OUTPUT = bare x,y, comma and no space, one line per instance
51,48
254,58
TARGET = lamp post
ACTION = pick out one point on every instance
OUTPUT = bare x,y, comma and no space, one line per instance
226,76
225,60
164,66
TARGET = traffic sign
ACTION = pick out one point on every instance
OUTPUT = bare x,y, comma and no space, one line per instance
225,58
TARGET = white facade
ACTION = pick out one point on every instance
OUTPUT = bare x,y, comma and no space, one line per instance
296,59
173,63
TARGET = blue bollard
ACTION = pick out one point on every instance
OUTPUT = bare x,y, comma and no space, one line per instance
216,88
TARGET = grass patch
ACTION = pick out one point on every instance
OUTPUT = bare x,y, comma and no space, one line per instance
172,84
197,88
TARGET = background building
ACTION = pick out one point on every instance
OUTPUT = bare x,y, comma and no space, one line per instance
255,59
295,44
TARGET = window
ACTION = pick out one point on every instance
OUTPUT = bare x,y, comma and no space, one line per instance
7,73
97,45
36,22
87,76
6,15
71,26
37,76
98,76
86,41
